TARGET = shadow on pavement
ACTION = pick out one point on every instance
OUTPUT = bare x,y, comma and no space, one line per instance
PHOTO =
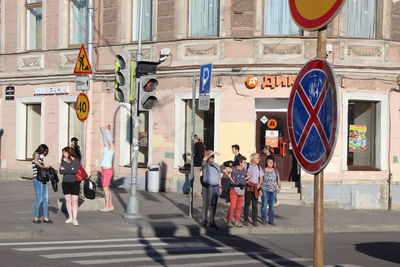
388,251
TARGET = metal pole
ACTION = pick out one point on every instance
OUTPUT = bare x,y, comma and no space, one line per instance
319,182
132,209
192,147
89,45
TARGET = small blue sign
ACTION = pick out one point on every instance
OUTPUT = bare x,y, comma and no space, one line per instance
205,78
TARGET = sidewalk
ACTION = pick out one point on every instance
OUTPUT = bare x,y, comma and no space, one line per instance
166,215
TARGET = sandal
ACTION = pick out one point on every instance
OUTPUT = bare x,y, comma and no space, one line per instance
36,221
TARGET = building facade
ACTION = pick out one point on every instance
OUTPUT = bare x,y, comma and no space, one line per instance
253,41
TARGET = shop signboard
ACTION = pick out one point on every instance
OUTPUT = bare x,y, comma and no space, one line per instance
314,14
272,138
313,115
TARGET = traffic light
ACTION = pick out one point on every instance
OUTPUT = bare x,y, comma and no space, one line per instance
147,93
123,82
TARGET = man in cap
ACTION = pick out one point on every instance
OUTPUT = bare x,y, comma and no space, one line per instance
74,145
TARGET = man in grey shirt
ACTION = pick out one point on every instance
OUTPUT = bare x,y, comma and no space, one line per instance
211,187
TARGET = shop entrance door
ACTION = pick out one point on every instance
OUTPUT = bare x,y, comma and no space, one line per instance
272,130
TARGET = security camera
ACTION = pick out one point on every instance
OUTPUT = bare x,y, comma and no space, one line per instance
164,53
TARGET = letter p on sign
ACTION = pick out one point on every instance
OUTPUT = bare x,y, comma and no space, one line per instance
205,79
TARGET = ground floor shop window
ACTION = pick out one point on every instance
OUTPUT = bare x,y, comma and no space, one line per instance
74,125
204,121
143,153
362,135
33,128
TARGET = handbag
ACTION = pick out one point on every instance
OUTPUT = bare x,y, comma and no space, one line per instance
81,174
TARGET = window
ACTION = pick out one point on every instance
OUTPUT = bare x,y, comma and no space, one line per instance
74,125
146,22
362,134
277,19
204,17
360,18
77,19
33,118
34,24
143,153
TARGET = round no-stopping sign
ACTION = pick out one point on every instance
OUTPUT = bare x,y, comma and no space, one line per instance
82,107
313,115
314,14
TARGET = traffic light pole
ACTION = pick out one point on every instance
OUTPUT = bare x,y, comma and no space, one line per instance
132,209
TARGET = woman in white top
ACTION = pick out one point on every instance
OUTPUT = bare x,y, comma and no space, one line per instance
106,167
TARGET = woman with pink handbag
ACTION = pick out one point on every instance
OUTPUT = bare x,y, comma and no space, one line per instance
69,167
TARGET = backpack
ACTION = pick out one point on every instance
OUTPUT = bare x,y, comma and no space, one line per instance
89,189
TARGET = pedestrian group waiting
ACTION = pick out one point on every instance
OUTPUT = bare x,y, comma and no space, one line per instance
247,183
73,174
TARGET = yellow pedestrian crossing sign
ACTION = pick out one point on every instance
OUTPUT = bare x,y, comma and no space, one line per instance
82,65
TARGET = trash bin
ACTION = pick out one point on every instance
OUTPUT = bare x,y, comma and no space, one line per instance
153,178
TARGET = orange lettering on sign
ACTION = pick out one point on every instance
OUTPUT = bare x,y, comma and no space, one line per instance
291,80
269,81
251,81
281,80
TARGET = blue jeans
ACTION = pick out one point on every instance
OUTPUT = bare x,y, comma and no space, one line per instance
267,198
42,197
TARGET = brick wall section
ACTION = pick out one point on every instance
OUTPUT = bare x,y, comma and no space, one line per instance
243,18
111,17
396,21
166,20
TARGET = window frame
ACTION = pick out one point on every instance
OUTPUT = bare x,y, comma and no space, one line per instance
70,25
381,128
189,33
27,7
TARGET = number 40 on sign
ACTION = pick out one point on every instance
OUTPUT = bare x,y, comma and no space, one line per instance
82,107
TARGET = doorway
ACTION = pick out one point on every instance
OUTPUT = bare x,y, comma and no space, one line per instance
271,129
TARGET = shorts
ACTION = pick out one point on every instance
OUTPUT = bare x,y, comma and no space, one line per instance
71,188
106,175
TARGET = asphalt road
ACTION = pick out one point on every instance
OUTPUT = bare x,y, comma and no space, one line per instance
341,250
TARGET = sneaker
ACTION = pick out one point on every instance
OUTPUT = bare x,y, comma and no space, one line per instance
75,222
69,220
255,224
276,204
230,224
246,223
238,224
107,209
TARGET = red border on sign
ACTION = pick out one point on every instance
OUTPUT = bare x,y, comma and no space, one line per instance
314,167
89,71
88,107
314,24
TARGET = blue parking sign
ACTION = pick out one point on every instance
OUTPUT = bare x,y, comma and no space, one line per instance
205,78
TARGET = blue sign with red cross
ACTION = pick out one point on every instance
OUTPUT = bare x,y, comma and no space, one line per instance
313,115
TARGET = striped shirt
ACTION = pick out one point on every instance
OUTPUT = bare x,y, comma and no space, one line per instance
34,166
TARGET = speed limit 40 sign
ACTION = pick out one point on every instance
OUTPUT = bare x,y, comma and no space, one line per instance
82,107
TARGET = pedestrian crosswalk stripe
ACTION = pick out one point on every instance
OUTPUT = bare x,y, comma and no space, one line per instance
131,252
240,262
87,241
105,246
171,257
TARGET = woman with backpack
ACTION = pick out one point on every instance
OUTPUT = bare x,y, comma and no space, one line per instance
41,190
69,167
238,176
270,185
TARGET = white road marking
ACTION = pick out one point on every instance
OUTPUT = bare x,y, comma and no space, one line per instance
131,252
87,241
171,257
106,246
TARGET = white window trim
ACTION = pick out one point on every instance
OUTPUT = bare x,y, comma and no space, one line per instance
63,102
180,124
382,126
20,142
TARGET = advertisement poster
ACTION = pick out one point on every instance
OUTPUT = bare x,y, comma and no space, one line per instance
143,141
357,138
271,138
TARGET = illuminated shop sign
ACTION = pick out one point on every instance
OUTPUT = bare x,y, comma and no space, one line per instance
271,81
